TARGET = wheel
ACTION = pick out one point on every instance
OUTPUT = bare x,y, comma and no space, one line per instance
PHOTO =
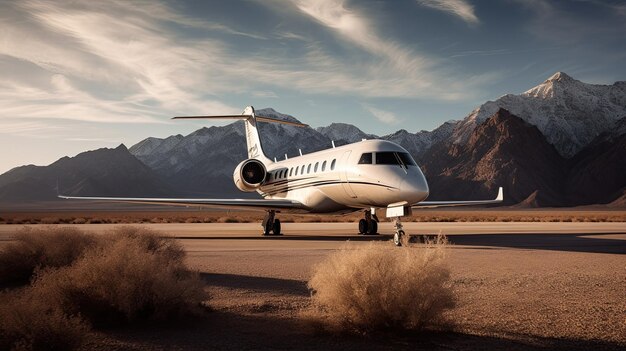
397,237
362,226
267,230
276,228
373,228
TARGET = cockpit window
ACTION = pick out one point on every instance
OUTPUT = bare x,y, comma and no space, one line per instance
394,158
407,159
366,159
387,158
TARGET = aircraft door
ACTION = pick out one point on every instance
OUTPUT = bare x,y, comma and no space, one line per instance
345,168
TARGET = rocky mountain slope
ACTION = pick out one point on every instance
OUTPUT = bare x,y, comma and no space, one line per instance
343,133
597,174
566,147
507,151
102,172
568,112
503,151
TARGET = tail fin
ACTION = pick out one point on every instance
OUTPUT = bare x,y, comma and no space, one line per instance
253,140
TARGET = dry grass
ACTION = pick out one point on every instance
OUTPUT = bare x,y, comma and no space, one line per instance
134,277
30,323
380,288
130,275
41,248
605,214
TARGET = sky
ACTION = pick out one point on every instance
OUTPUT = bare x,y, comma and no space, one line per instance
81,75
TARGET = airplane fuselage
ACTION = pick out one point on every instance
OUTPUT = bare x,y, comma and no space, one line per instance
370,173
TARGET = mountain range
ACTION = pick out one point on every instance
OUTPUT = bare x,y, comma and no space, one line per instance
561,143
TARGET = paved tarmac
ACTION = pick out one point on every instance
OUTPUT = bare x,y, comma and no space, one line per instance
577,237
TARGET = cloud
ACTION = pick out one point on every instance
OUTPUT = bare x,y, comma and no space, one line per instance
134,62
264,94
555,22
358,29
382,115
460,8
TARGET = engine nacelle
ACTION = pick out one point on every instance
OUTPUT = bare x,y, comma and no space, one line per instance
249,175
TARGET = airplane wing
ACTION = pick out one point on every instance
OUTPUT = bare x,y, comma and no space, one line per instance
434,204
240,204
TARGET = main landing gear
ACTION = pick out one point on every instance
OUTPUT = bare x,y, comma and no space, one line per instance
398,237
369,224
271,225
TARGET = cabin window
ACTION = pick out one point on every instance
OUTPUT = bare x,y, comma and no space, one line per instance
308,169
282,174
366,159
316,165
323,166
297,168
332,165
302,170
290,171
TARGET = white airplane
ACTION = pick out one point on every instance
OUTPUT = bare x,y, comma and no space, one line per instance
363,176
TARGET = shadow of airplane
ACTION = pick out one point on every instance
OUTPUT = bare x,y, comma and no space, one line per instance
579,242
261,284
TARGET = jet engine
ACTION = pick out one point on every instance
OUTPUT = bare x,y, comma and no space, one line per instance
249,175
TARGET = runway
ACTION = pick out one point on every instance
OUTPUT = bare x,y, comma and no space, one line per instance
603,237
520,285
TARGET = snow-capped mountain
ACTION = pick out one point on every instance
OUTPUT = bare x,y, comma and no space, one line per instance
568,112
344,133
418,143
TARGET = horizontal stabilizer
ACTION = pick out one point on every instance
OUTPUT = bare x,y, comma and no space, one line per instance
244,117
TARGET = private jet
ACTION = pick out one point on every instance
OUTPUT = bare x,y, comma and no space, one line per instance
363,176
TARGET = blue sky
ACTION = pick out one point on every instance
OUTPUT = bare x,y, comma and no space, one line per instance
83,75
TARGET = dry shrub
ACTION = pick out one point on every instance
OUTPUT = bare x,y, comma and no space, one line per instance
136,276
380,287
130,275
41,248
228,220
49,220
30,323
79,220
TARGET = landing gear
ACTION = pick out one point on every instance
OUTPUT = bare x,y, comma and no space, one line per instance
398,237
271,225
369,224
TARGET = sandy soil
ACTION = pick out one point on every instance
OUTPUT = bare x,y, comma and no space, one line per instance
520,286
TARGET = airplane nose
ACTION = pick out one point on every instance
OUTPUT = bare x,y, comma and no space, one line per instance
415,188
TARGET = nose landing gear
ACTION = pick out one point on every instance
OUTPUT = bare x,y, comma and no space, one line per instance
271,225
369,224
398,237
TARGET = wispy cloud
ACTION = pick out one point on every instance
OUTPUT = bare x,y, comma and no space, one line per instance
264,94
358,29
393,69
98,140
386,117
553,21
459,8
129,62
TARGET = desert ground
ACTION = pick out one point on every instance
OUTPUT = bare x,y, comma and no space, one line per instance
520,286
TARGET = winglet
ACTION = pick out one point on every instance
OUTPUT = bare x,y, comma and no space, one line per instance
500,195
